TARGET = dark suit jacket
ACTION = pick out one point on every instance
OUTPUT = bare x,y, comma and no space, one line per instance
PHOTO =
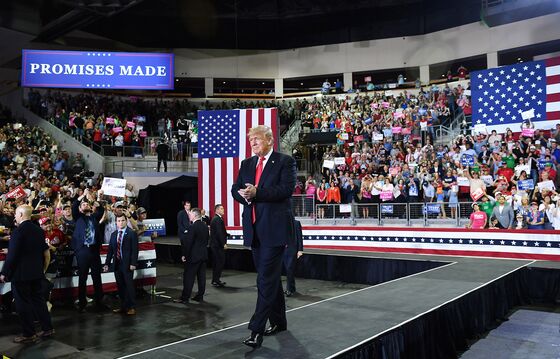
297,245
183,223
129,248
274,224
25,253
196,242
79,235
218,234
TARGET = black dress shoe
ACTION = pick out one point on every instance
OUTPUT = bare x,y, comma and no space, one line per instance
254,341
219,284
180,300
288,293
198,298
274,329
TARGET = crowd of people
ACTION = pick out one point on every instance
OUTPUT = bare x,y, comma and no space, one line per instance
48,198
121,125
385,153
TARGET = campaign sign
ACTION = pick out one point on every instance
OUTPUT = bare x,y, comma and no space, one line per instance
541,164
97,70
387,208
525,185
432,208
528,132
386,195
154,225
114,186
467,160
16,193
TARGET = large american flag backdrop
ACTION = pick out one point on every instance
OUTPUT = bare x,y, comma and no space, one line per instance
65,275
499,95
222,145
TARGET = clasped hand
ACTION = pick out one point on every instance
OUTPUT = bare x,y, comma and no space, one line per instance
249,192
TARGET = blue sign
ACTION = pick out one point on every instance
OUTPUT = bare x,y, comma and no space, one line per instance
525,184
432,208
541,164
387,208
467,160
97,70
154,225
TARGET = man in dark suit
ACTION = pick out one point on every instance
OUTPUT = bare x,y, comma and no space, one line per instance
25,265
183,220
162,151
218,244
294,250
123,248
183,225
264,186
86,243
195,255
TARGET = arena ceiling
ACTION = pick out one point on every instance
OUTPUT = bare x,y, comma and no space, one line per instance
234,24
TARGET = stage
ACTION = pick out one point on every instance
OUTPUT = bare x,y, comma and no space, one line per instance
349,304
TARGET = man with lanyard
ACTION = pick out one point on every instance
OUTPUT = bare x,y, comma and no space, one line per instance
86,243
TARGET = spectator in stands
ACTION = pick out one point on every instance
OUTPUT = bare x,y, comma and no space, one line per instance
326,87
535,218
310,190
502,214
478,218
321,200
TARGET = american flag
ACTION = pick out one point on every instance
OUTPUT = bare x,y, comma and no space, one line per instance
500,95
222,145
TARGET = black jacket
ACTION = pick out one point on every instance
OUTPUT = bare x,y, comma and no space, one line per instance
218,234
25,259
196,242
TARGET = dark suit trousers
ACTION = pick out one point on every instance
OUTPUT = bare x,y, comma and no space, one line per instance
125,285
31,305
290,260
88,259
270,301
194,270
219,256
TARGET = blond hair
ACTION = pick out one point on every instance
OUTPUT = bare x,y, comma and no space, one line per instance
263,131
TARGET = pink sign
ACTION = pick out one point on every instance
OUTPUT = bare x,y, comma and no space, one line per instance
386,195
130,124
398,115
397,129
528,132
143,134
385,104
117,129
406,131
110,121
393,171
374,105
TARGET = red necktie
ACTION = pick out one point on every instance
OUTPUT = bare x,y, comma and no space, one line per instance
258,174
119,244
